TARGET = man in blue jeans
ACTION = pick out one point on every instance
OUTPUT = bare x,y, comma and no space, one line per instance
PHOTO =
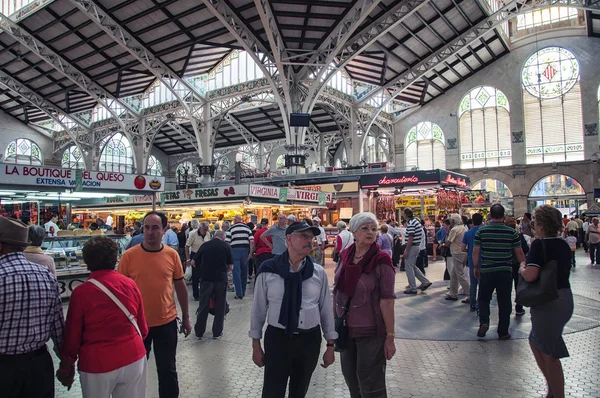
242,247
467,246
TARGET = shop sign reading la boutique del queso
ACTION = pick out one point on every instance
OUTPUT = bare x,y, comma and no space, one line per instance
54,177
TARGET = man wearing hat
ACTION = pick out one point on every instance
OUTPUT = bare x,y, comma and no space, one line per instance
31,313
321,242
262,251
292,294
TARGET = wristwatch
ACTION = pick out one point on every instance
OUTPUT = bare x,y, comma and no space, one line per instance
391,334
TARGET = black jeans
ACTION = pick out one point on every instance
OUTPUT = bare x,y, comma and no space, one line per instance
515,275
363,367
260,258
218,291
502,282
595,253
293,357
164,338
28,375
195,277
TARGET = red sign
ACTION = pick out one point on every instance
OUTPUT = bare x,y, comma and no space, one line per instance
399,181
461,182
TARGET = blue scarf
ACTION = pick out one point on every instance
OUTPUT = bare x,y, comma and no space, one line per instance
292,294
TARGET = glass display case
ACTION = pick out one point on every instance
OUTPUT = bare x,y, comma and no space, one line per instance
71,270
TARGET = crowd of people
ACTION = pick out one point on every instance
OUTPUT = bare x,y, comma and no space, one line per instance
119,315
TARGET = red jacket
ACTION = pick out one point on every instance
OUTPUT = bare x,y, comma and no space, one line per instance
97,331
260,247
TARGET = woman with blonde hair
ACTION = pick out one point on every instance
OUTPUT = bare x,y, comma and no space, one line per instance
549,319
364,291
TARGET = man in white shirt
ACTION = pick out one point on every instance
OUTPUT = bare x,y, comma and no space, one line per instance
321,242
293,335
51,227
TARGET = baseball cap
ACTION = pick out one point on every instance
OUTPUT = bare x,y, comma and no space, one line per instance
299,226
315,218
264,221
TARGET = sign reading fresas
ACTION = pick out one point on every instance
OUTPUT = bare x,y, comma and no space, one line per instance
261,191
221,192
12,174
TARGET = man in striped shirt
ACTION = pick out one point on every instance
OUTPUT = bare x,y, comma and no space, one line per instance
415,234
242,247
496,243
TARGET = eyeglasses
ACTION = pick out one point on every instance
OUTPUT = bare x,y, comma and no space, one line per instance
304,235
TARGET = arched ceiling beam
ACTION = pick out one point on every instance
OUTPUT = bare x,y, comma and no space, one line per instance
255,48
55,113
185,92
72,73
319,63
278,51
402,81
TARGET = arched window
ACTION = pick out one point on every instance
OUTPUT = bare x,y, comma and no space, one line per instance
192,172
222,164
552,107
154,167
424,147
23,151
72,158
376,149
247,155
117,154
484,129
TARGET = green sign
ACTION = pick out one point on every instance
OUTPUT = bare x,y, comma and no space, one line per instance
78,180
322,199
283,194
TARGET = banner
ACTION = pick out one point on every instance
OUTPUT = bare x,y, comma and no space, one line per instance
279,194
340,187
43,176
415,201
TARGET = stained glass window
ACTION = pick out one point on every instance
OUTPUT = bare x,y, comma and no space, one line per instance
484,129
247,155
154,166
424,147
552,107
280,163
545,16
72,158
192,172
117,154
23,151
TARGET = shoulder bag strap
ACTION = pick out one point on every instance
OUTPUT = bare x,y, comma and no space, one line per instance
114,298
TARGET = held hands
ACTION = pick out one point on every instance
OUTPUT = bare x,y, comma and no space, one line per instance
66,375
328,357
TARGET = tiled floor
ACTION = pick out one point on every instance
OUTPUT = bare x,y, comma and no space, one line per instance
438,354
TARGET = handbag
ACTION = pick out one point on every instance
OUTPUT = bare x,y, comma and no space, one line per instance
188,273
543,289
114,298
341,327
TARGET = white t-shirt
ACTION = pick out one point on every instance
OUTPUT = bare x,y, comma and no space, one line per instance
322,238
50,224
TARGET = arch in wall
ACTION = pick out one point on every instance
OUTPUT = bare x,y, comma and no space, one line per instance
23,151
493,185
425,147
506,178
556,185
117,154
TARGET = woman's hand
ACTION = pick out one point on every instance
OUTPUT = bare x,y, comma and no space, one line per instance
389,348
66,375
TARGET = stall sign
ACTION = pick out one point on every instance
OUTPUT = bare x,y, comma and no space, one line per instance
455,179
12,174
475,197
292,194
404,179
195,194
415,201
341,187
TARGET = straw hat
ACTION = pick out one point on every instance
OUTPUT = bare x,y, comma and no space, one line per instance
13,232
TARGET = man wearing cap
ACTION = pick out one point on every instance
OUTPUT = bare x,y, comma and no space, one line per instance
321,242
277,234
31,313
292,294
262,251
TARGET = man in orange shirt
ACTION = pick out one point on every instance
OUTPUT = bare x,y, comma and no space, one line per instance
156,269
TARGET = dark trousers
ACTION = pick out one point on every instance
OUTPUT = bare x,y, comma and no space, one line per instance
422,261
294,358
363,367
218,291
595,253
195,277
28,375
515,276
260,258
501,281
164,338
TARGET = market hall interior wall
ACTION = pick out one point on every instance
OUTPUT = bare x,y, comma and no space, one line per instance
12,128
505,75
